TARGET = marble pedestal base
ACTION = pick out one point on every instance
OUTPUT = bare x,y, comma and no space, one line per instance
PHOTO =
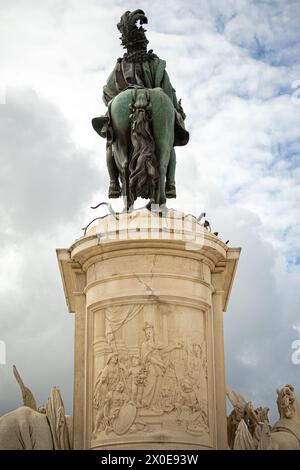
148,295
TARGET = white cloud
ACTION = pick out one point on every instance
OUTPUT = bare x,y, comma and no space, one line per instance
233,63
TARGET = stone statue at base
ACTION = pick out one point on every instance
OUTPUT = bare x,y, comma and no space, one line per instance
249,429
36,428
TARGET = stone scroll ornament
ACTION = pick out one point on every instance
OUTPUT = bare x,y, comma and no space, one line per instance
143,123
152,382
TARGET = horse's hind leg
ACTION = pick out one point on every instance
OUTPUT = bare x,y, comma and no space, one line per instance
114,185
163,153
170,182
127,196
121,149
122,146
122,142
163,131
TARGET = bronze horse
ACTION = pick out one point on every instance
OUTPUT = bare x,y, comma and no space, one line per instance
143,123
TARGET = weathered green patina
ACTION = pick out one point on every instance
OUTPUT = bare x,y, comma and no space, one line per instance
144,120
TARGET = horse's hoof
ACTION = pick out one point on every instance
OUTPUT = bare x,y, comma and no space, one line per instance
163,210
128,210
149,205
160,210
170,191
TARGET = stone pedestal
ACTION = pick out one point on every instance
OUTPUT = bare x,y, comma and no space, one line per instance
148,295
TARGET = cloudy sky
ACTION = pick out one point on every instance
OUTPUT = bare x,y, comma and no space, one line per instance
236,66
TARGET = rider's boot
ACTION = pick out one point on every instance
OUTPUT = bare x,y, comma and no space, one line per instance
114,190
170,190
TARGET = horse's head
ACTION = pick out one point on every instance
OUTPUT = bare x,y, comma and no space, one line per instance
133,35
287,402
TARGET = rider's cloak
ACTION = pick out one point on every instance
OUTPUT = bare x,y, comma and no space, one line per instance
148,74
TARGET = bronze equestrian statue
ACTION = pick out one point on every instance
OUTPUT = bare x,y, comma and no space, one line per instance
143,123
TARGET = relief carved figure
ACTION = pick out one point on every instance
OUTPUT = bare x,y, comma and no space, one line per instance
152,354
197,370
151,357
106,383
113,403
170,386
189,409
138,376
158,380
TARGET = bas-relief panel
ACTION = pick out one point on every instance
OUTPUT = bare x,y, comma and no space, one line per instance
150,373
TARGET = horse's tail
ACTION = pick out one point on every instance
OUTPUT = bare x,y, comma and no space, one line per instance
143,171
